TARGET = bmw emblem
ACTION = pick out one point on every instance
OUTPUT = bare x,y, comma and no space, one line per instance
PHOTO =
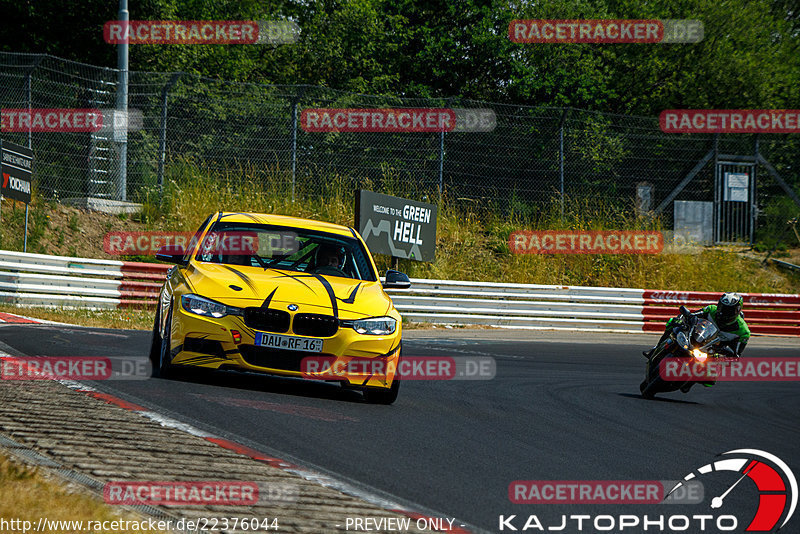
292,307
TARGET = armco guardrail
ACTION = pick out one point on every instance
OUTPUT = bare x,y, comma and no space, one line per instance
786,265
576,307
42,280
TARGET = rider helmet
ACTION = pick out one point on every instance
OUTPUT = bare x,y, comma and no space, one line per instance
728,308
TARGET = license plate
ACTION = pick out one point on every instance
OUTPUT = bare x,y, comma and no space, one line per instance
276,341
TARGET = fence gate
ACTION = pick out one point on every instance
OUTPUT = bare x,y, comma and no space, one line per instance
735,201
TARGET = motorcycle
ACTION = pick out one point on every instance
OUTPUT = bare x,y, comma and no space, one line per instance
694,340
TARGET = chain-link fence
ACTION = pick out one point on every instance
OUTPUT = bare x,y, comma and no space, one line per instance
534,156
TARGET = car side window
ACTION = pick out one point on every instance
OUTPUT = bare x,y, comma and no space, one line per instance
195,238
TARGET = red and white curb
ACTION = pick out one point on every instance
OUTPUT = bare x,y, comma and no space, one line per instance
765,313
12,318
289,467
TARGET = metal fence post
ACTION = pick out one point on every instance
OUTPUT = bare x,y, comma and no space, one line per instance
25,239
162,142
295,101
29,101
753,200
294,145
122,103
718,190
561,157
449,105
441,163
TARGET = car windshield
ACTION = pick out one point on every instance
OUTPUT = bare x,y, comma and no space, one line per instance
287,248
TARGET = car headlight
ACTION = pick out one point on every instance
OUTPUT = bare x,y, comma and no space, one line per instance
375,326
206,307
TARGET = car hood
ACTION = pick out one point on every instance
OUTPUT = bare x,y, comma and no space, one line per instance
343,297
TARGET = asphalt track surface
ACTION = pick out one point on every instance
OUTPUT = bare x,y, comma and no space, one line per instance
567,410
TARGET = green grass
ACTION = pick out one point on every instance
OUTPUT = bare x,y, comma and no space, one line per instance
28,494
471,244
131,319
12,226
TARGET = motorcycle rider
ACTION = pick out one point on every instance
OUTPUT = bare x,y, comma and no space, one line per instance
727,315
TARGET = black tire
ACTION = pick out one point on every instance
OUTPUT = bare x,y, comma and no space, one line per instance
164,369
383,395
654,382
649,392
155,344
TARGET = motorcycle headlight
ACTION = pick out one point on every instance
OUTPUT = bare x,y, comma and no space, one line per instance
206,307
375,326
699,355
682,340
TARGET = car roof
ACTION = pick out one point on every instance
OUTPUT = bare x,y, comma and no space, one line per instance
284,220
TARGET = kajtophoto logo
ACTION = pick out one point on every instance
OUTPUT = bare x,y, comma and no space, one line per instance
775,495
775,481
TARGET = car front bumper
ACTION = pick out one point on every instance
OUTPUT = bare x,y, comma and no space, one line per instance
347,356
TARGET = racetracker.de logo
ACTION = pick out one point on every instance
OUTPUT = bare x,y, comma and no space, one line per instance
408,368
189,32
730,369
70,120
585,242
50,120
55,368
730,121
74,368
606,31
585,31
586,492
389,120
135,243
181,493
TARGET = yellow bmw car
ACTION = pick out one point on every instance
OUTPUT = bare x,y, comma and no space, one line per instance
300,298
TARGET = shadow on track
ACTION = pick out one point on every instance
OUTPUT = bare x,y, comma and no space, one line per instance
269,384
657,399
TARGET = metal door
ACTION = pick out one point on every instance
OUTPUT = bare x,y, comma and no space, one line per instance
734,202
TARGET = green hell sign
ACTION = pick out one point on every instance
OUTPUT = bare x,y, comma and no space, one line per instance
396,226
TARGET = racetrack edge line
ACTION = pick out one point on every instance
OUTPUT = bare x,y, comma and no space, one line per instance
311,475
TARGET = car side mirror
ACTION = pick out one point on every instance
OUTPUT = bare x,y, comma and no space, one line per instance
171,254
396,280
